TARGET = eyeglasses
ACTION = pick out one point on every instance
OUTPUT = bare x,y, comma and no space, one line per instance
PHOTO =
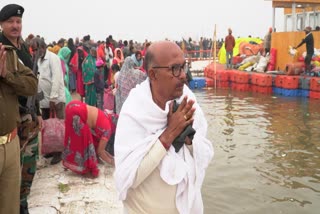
176,69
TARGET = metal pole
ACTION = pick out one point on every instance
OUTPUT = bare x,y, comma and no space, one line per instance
294,17
315,18
273,19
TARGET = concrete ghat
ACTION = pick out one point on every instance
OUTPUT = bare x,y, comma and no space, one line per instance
56,190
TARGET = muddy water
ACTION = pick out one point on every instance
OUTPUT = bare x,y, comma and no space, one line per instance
267,153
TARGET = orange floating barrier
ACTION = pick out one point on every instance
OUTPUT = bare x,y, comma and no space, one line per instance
279,81
290,82
242,77
205,71
222,75
261,89
233,75
241,87
314,94
261,79
209,82
222,84
315,84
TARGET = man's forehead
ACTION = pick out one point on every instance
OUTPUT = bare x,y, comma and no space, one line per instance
14,18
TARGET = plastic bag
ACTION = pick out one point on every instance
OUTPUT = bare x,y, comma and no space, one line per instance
53,131
293,52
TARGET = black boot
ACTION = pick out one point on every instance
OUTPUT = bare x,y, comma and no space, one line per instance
24,209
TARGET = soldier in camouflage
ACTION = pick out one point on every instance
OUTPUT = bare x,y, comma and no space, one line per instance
30,117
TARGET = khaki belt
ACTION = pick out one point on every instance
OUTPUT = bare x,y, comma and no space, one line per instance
8,137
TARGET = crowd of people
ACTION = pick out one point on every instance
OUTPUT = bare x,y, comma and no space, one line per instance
136,113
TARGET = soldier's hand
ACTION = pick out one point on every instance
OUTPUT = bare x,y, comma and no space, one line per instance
3,66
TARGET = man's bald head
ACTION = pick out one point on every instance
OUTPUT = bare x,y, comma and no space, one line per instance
159,52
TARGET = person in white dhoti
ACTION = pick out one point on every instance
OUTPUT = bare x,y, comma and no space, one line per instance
154,172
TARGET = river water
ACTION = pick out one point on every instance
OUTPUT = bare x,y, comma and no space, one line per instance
267,153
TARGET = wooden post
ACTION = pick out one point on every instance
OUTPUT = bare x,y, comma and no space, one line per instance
215,55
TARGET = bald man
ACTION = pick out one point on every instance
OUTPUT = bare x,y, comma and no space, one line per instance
153,173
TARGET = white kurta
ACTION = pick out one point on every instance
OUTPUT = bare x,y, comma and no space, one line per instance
51,80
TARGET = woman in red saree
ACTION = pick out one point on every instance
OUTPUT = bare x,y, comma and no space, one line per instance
88,131
76,67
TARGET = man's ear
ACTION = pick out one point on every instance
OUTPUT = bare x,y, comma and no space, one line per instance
152,74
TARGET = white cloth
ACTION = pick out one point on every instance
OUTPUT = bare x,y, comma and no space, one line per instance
51,80
140,124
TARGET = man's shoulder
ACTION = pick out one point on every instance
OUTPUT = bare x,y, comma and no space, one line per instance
310,36
50,55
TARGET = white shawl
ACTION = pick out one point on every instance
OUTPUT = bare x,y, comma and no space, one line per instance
140,124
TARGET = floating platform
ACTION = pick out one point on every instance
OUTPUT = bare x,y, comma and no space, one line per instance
301,86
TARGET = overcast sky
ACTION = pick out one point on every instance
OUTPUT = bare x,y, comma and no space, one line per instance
146,19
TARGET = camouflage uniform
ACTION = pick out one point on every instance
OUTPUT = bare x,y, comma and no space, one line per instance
28,133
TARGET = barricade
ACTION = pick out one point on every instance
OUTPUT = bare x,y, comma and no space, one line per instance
242,77
278,81
205,71
222,75
223,84
314,94
233,75
209,73
209,82
240,86
290,82
301,86
261,89
315,84
261,79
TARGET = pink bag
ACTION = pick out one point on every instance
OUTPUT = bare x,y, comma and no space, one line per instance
108,99
53,130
